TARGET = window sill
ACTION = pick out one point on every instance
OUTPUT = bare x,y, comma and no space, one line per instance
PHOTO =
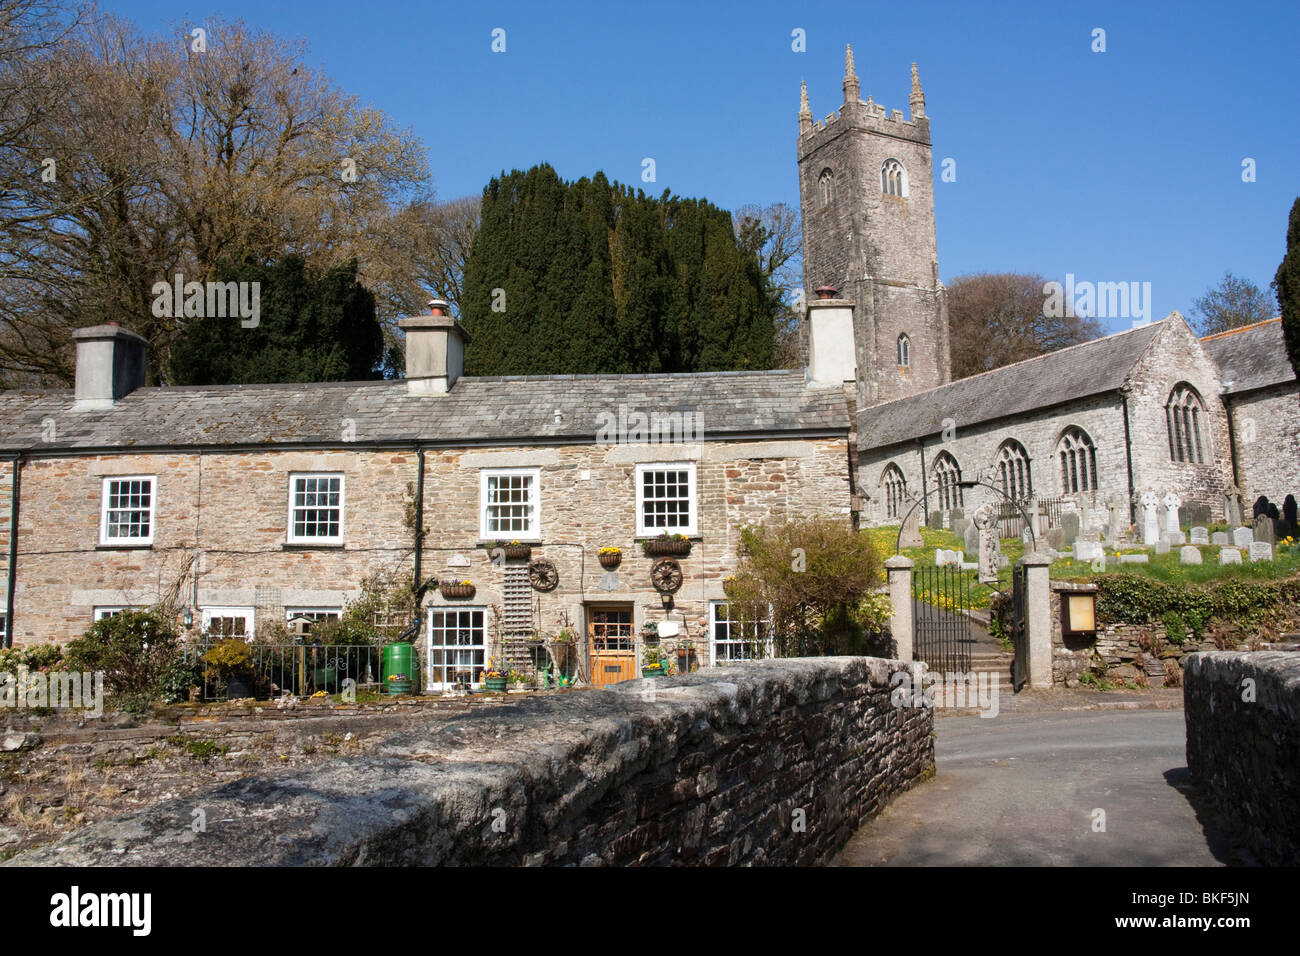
313,546
125,546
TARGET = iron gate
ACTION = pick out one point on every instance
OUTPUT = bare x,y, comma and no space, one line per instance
940,601
1019,639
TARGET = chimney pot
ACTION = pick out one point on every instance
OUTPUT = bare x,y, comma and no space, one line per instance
110,365
826,291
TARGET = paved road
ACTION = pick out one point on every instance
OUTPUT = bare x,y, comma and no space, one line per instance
1020,790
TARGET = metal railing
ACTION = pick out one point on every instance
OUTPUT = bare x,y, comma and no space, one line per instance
297,669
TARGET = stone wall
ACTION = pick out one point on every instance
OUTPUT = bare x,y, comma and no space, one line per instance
766,763
228,513
1243,746
1264,424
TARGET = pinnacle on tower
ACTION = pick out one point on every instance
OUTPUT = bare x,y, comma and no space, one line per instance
918,98
852,91
805,111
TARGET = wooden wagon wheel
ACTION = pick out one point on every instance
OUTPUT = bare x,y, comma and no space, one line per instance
666,575
543,576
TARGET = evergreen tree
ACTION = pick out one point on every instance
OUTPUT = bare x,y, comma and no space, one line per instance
310,328
591,276
1287,285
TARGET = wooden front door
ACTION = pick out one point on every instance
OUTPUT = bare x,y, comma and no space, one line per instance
613,645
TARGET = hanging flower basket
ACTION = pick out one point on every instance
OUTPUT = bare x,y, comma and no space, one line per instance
456,590
514,551
610,558
675,545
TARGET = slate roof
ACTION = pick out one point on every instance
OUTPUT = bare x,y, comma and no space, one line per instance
511,410
1251,357
1065,375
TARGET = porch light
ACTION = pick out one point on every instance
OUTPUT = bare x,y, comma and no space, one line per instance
1079,614
667,598
188,617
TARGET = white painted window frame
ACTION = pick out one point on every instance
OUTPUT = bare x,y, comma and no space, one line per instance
109,541
429,666
768,651
534,534
692,492
206,614
108,610
294,478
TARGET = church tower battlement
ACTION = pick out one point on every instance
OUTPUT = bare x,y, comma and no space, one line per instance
867,200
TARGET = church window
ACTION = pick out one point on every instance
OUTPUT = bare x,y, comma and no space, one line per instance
827,186
904,351
1078,460
893,178
947,479
895,491
1183,415
1013,471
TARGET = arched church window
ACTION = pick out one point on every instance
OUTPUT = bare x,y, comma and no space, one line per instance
1078,459
904,350
893,178
827,186
1013,470
1184,413
895,487
947,479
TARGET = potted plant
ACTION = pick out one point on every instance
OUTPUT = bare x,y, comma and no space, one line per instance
685,656
652,661
728,583
516,550
456,590
518,682
666,544
494,678
610,558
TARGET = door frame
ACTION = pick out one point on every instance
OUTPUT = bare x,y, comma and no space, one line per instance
589,609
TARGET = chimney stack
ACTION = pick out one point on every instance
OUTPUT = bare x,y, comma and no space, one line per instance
832,353
110,365
435,350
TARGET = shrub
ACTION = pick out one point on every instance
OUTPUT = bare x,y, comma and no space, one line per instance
37,657
134,649
1175,628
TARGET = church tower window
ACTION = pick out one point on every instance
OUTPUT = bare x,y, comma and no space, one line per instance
826,185
893,179
1078,459
1013,471
904,351
1183,415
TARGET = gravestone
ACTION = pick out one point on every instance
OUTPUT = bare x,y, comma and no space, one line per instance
959,526
1261,551
1243,537
1162,546
986,522
1196,513
1189,555
955,515
1087,550
1116,519
1200,536
935,521
1134,558
1265,530
1070,526
1220,538
1229,556
1232,505
1150,523
1055,538
972,540
911,532
1172,503
1174,537
1034,521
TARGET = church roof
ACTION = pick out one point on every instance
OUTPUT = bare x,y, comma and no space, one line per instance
1065,375
507,410
1251,357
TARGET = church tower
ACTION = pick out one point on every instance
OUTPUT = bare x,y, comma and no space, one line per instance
867,198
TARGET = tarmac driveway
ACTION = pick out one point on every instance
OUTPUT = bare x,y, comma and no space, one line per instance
1022,789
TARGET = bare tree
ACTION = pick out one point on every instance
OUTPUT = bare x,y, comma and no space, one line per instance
775,234
997,319
1232,303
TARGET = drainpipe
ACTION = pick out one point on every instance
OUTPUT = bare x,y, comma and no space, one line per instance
1232,448
925,491
1128,459
419,514
17,464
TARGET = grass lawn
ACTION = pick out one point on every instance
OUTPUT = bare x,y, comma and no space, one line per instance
1162,567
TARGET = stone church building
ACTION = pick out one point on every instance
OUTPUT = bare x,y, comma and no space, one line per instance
248,505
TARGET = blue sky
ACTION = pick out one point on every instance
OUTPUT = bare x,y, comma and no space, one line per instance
1117,166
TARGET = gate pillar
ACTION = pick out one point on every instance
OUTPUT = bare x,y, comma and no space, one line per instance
899,570
1038,619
